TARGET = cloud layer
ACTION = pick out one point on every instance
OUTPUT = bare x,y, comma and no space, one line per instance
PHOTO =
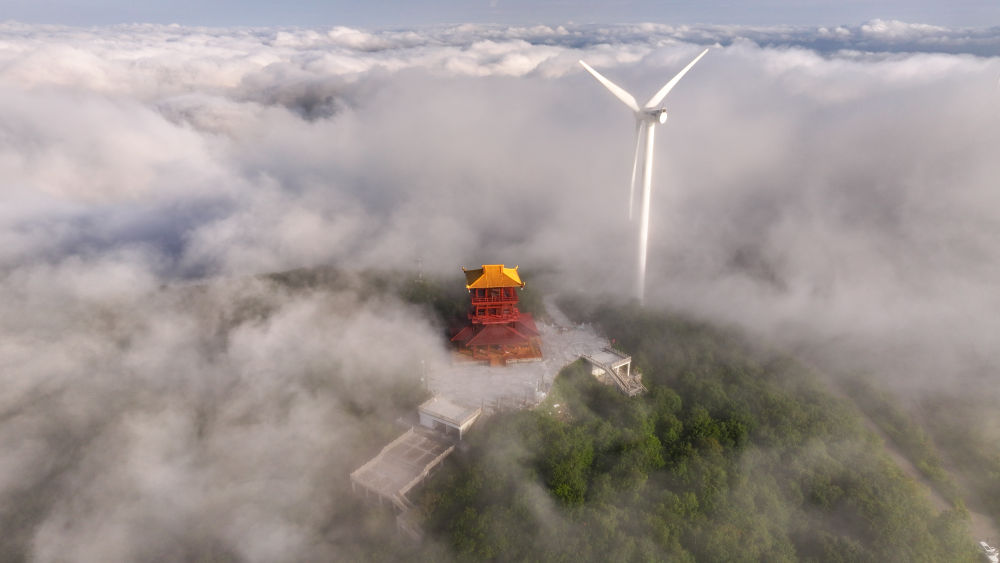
832,186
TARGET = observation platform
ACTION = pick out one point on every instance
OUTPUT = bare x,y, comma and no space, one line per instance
402,465
612,366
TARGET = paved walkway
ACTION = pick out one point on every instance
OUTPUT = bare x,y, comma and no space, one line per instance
525,383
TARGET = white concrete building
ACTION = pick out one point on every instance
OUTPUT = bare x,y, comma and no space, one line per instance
447,417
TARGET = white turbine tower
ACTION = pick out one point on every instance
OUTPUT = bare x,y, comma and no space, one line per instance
646,118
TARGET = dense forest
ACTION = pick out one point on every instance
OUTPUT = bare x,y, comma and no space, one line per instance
737,453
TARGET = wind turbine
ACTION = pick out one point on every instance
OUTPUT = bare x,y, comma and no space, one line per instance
646,117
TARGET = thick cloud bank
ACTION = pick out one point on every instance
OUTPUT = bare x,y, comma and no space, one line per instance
834,183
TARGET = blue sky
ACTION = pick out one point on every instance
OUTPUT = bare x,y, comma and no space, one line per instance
395,13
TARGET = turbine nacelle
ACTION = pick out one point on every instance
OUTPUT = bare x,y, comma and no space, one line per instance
654,116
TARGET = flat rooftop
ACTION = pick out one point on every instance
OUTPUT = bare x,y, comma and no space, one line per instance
609,357
402,464
446,410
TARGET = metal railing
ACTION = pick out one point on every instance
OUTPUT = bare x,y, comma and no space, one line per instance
501,299
631,385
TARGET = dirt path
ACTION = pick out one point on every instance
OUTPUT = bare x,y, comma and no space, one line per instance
904,463
981,526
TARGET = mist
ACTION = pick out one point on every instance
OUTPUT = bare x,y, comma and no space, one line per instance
831,189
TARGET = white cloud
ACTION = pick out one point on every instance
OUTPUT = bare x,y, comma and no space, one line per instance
830,183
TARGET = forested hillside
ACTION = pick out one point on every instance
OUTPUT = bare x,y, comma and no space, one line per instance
735,454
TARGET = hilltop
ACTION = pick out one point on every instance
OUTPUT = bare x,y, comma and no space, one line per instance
737,453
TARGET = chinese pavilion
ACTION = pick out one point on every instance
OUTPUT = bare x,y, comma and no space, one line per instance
497,332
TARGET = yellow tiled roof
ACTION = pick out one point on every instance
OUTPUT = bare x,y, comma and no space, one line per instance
492,275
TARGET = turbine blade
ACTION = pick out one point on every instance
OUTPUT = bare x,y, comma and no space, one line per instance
614,88
658,97
635,165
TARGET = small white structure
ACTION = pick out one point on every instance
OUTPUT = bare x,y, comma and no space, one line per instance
619,363
611,366
447,417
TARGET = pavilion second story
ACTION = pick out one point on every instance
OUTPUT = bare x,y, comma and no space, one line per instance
493,294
